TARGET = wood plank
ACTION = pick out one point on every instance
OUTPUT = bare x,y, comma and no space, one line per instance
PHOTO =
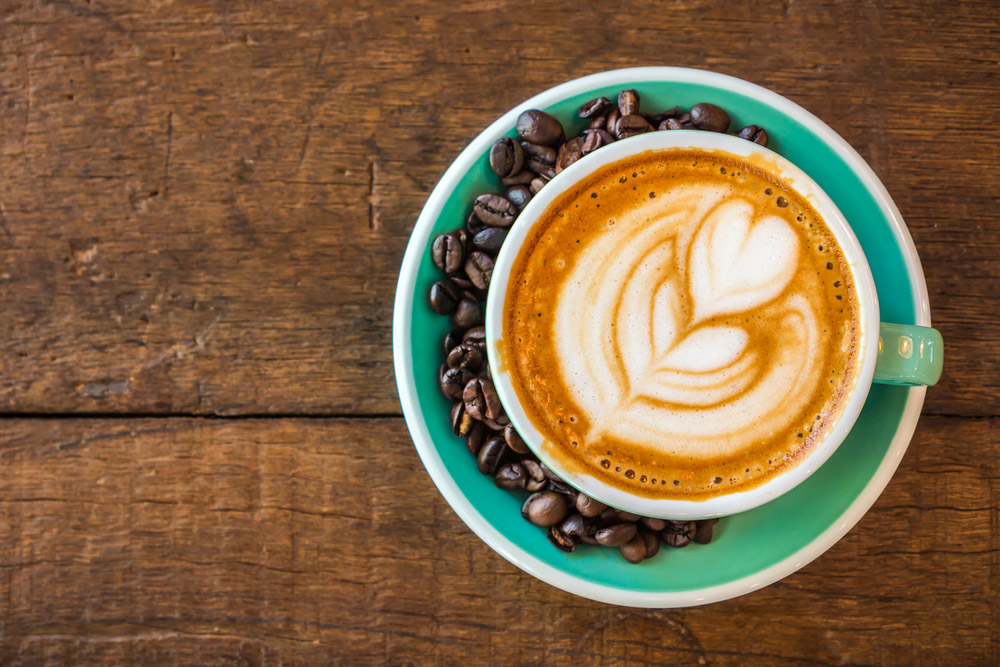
305,541
203,206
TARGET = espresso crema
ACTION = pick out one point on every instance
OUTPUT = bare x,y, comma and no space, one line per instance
681,324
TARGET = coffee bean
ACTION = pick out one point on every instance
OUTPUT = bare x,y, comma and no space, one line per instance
448,252
490,455
594,139
539,127
461,423
709,117
514,440
589,507
473,224
536,478
628,516
754,133
478,433
540,159
511,476
561,540
547,509
494,210
444,296
574,525
570,152
628,103
490,239
611,125
481,399
652,542
634,551
476,336
597,123
506,157
595,107
452,381
589,539
703,530
657,118
631,125
617,535
479,268
519,195
451,339
678,534
655,525
522,177
537,185
562,487
527,503
468,313
465,356
608,517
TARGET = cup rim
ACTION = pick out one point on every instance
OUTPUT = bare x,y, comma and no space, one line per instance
710,142
427,448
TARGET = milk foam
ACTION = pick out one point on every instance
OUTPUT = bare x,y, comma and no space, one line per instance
636,326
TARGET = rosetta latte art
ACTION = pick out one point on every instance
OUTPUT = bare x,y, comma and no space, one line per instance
652,348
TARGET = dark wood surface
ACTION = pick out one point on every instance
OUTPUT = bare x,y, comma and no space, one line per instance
203,208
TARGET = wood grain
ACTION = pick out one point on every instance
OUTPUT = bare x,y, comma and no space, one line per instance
311,541
204,205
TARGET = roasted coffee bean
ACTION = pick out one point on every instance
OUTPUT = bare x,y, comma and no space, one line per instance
634,551
709,117
519,195
617,535
539,127
522,177
540,159
754,133
451,339
703,530
655,525
631,125
468,357
448,252
597,123
527,503
594,139
595,107
608,517
611,124
550,474
547,508
444,296
511,476
468,312
478,433
589,507
561,540
562,487
670,124
491,455
589,539
452,381
537,184
570,152
494,210
536,478
657,118
475,336
628,103
490,239
678,534
628,516
514,440
574,525
499,423
481,399
461,423
506,157
652,542
479,268
473,224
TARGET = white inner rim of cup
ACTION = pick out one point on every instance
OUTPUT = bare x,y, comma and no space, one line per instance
730,503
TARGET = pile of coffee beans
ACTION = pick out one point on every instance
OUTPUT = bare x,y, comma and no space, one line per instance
466,256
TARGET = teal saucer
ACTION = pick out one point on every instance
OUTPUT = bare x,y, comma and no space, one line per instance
752,549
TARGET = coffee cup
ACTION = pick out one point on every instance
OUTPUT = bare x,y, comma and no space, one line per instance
874,351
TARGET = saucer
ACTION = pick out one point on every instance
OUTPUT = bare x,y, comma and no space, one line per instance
752,549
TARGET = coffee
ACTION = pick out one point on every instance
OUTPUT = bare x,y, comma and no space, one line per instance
681,324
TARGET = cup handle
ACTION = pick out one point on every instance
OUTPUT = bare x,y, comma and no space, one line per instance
908,355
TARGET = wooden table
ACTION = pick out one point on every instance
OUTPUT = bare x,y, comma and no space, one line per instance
203,208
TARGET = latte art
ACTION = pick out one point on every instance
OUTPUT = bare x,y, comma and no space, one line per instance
681,326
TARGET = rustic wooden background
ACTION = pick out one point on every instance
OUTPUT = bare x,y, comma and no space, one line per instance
203,207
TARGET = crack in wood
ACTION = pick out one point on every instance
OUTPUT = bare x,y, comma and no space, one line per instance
166,163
